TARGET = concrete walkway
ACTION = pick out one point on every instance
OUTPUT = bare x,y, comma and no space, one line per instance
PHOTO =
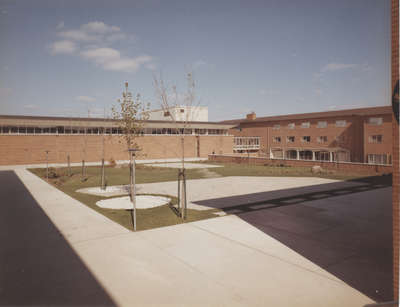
217,262
141,161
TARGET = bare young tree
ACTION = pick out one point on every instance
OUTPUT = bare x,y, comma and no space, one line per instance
130,114
170,100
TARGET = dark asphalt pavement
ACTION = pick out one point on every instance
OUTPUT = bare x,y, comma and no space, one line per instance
347,231
37,265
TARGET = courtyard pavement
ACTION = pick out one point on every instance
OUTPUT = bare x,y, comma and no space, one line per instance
57,251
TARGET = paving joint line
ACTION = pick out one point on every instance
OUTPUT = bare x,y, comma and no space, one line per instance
274,256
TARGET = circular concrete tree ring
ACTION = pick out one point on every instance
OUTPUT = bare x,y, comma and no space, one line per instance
142,202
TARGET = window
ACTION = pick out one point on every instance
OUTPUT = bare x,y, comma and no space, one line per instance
379,159
322,124
166,113
341,123
182,110
277,139
305,125
291,125
306,139
322,139
375,139
376,121
276,127
290,139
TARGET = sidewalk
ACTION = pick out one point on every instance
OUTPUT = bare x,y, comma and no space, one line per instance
144,161
217,262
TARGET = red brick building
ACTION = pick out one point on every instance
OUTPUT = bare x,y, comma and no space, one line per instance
356,135
24,139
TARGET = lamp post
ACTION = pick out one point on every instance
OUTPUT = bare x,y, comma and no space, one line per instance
132,186
47,164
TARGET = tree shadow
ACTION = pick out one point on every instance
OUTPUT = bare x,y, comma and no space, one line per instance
343,227
38,266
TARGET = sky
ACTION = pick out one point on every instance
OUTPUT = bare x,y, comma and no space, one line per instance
271,57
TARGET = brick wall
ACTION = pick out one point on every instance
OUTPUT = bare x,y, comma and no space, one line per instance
354,136
29,149
360,168
396,168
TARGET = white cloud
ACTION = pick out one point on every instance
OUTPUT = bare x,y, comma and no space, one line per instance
99,27
31,106
63,47
93,31
85,99
337,66
101,55
92,40
111,59
78,35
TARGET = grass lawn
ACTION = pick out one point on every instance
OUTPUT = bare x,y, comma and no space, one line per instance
163,215
146,218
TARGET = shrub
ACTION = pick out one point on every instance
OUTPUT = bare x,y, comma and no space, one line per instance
112,162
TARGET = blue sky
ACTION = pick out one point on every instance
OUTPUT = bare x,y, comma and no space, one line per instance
271,57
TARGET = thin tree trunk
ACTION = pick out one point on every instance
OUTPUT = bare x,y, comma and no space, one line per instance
69,165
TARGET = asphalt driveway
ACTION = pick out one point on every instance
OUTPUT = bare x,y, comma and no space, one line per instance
37,265
346,230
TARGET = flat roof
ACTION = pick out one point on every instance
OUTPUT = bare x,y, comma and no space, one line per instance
314,115
106,122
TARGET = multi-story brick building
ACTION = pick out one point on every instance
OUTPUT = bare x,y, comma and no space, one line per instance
356,135
24,139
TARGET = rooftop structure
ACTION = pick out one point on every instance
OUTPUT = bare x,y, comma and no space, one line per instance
180,113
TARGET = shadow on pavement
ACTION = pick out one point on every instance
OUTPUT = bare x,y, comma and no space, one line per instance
37,265
343,227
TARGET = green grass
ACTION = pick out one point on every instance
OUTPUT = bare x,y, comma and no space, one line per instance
234,169
163,215
146,218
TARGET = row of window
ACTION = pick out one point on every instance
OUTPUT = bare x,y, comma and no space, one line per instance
101,130
304,139
376,121
246,141
377,139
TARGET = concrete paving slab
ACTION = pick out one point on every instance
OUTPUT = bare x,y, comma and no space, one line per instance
78,222
189,265
219,190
